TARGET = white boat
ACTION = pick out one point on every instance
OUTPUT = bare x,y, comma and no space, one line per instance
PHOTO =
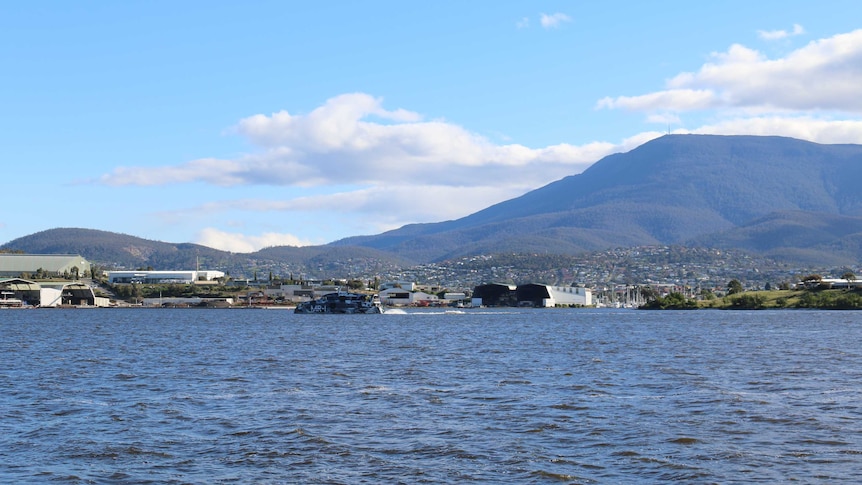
7,302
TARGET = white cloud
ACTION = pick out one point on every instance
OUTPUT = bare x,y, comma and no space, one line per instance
550,21
821,76
664,118
547,21
241,243
353,140
637,140
672,100
781,34
210,170
801,127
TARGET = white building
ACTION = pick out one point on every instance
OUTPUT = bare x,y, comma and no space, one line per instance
454,297
400,296
395,296
550,296
156,277
570,295
404,285
839,283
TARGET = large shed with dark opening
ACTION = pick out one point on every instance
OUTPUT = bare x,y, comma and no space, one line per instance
28,292
495,294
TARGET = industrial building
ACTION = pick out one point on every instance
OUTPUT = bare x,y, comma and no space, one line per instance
49,265
400,296
495,294
550,296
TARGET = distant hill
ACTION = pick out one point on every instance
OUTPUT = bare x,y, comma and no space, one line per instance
117,250
121,251
677,189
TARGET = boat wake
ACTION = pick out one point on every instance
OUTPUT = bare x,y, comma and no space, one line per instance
399,311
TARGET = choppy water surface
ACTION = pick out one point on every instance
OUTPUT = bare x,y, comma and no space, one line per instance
528,396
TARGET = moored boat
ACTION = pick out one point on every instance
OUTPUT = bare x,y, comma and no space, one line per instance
342,302
7,302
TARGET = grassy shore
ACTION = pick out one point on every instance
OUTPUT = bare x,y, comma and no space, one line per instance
756,299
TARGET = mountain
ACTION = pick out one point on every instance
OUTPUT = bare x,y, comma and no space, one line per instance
788,199
677,189
811,238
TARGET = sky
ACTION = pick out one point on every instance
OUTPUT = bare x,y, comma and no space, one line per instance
244,125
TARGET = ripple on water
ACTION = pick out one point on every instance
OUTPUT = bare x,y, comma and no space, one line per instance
180,396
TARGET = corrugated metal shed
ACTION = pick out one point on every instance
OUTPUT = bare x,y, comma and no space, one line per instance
54,264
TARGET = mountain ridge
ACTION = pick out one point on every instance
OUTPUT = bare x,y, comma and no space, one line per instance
672,190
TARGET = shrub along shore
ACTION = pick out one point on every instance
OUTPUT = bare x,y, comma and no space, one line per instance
837,299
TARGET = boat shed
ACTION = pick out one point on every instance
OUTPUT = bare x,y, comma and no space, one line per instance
17,265
29,292
495,294
66,294
50,294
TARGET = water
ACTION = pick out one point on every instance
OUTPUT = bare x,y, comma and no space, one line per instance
526,396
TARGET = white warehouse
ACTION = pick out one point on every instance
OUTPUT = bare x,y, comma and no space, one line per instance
156,277
549,296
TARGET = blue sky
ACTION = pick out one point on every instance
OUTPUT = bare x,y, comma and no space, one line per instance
241,125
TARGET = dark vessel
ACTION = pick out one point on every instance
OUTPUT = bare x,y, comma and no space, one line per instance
342,302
